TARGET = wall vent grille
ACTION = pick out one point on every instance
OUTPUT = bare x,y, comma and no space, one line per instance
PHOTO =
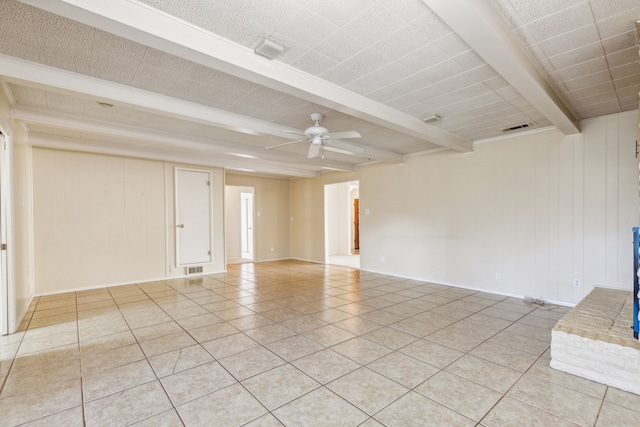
194,270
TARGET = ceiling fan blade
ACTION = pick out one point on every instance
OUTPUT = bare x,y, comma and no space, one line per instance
336,143
314,150
282,145
295,133
345,135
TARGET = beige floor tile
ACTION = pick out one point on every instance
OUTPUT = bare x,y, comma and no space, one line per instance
520,342
612,415
168,418
623,398
270,333
501,314
140,321
267,420
540,334
229,345
331,315
167,343
367,390
67,418
329,335
357,325
294,347
463,396
107,342
156,331
483,372
361,350
212,332
320,408
251,362
304,323
90,332
199,321
280,385
47,343
326,365
179,360
542,370
48,400
505,356
403,369
454,339
35,377
569,404
110,381
196,382
389,337
414,409
415,327
250,322
432,353
231,406
128,406
96,362
510,412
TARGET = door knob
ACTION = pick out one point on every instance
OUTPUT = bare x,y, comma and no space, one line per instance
180,226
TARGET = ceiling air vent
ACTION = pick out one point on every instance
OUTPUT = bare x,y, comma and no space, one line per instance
512,128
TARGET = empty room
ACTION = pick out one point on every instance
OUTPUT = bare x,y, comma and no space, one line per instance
319,213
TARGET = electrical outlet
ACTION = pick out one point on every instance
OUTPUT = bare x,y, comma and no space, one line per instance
576,283
498,276
272,249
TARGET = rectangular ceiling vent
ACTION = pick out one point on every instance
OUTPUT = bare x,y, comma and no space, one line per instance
512,128
196,269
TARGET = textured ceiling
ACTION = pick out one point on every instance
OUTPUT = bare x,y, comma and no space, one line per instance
186,84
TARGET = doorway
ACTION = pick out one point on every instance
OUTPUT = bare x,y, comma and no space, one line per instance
239,205
342,225
246,225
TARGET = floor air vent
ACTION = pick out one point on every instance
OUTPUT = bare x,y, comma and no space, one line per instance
194,270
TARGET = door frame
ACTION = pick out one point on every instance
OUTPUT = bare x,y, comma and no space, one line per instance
250,232
8,321
177,219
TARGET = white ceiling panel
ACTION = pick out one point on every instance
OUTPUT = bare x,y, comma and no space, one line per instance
373,66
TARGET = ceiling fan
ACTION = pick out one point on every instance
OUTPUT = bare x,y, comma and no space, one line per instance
321,139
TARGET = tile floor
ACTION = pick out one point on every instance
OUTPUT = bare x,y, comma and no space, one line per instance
294,344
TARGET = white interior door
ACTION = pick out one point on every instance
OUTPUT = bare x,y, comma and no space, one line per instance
193,216
246,224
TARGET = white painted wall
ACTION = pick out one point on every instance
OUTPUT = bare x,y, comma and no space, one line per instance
103,220
541,209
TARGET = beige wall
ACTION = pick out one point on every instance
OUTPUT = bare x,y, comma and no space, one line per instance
272,207
541,209
102,220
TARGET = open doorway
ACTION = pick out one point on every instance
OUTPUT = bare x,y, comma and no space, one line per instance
342,225
239,231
